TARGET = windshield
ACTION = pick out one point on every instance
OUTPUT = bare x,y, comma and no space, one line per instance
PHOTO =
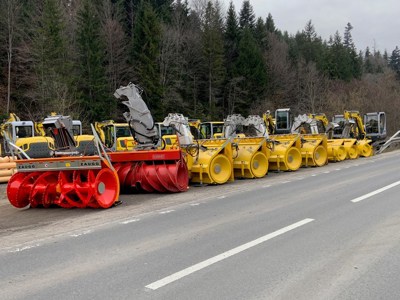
123,131
371,123
24,131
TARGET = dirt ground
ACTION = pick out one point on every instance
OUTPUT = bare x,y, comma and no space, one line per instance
19,226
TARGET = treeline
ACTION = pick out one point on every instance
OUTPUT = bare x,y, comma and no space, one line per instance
200,59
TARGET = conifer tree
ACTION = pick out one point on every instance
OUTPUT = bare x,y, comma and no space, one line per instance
251,66
368,67
231,37
213,56
352,58
348,40
50,61
310,45
270,24
96,100
394,61
145,56
260,34
342,62
247,17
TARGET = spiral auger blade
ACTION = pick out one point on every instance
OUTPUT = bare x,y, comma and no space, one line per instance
83,187
161,177
43,191
69,182
147,182
122,170
167,178
172,177
66,183
162,171
179,175
152,178
19,188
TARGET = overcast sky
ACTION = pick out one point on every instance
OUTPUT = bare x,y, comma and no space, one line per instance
376,22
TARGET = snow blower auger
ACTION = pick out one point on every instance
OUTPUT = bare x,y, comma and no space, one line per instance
66,180
314,150
162,171
285,154
251,158
336,151
314,146
213,164
364,148
147,168
350,146
208,161
318,124
250,154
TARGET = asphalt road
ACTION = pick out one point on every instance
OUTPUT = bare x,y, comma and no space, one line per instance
317,233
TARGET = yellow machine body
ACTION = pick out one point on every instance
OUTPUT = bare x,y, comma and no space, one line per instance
37,146
250,157
169,141
213,164
351,148
85,144
115,136
365,148
336,150
363,145
314,150
285,154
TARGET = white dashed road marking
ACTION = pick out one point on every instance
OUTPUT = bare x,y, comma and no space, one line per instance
204,264
375,192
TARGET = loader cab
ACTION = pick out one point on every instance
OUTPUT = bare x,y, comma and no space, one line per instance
165,130
168,136
338,120
283,121
21,129
16,130
211,130
375,126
